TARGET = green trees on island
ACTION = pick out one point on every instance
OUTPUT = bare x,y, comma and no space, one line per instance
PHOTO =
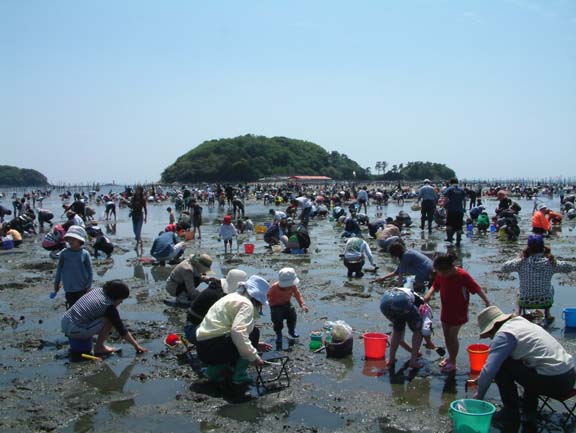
251,157
14,176
417,170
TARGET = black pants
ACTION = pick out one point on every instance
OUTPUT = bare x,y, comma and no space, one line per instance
354,267
45,218
534,384
110,209
280,313
72,297
305,216
427,213
222,350
454,221
101,245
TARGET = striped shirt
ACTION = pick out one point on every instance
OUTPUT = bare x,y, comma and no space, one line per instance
93,306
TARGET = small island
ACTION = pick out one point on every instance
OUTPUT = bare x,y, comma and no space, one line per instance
251,157
14,176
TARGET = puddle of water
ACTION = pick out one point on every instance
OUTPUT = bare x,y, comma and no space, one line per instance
428,391
293,414
313,416
105,421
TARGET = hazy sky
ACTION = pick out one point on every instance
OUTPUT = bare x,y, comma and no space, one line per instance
117,90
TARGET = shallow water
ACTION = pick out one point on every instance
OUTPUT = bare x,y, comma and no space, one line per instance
353,394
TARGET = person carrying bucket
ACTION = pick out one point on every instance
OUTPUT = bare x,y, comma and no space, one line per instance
522,353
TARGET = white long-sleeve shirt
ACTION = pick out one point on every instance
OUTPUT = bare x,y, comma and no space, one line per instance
356,249
227,232
231,315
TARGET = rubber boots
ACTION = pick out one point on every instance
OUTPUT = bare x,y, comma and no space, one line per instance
240,376
217,373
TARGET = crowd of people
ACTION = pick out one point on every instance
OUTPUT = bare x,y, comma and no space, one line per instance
221,313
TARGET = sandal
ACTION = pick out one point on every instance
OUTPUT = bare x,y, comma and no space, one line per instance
443,362
448,368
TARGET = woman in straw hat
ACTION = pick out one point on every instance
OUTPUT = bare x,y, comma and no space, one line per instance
522,353
187,276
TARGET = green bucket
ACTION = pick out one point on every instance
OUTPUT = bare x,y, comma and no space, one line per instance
471,416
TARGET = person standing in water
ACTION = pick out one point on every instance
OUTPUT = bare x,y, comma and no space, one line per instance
139,214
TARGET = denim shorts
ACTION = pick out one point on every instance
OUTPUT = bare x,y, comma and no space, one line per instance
397,307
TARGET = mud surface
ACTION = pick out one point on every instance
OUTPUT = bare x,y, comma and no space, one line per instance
41,390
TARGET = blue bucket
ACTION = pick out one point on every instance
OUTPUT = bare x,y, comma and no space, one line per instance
80,346
7,244
297,251
569,316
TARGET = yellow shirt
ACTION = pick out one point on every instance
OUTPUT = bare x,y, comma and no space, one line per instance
231,315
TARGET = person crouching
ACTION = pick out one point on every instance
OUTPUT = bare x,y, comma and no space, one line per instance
227,339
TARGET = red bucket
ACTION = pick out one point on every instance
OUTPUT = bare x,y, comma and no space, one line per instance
249,248
375,345
478,354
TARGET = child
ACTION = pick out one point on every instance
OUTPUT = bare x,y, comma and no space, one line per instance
483,222
281,309
97,313
425,313
227,233
102,243
15,234
455,286
54,240
74,269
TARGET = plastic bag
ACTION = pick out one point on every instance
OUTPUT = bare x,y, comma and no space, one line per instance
341,331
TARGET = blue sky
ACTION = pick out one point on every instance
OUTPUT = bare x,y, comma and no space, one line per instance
117,90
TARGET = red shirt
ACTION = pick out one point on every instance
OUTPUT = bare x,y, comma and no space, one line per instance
455,296
281,296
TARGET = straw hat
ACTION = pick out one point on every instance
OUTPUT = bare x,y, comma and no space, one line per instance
202,261
489,317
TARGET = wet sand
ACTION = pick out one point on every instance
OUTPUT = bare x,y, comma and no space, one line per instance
41,390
